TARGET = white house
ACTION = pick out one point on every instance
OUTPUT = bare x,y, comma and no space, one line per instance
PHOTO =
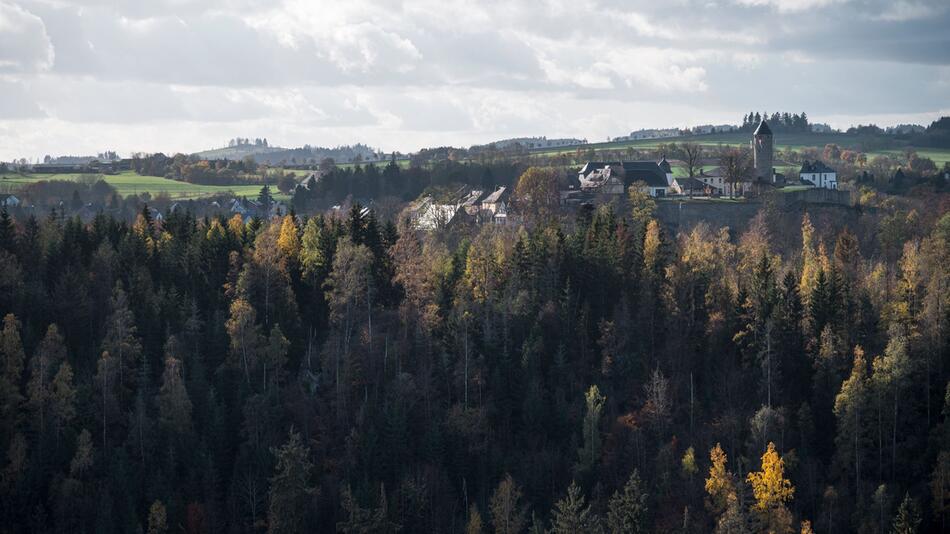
818,174
496,204
713,179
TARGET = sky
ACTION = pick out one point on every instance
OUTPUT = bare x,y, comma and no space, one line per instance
82,77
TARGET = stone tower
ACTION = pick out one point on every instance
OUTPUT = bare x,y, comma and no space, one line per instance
762,152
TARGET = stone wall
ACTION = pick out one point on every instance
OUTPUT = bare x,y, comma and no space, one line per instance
829,218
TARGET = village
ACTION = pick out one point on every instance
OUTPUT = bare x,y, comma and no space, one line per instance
605,182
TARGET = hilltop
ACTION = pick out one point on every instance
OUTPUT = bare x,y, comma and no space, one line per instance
275,155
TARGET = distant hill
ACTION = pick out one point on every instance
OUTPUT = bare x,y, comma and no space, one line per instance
300,156
238,152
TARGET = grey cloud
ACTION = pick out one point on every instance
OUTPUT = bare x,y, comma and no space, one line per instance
24,43
17,102
456,71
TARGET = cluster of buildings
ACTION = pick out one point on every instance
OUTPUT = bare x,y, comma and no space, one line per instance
650,133
476,206
600,181
533,143
249,208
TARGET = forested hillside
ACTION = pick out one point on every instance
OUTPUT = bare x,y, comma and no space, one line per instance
348,374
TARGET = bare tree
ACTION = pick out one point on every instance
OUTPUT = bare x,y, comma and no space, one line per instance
736,166
692,154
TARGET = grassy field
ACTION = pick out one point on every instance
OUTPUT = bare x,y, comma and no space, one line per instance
939,156
129,183
783,141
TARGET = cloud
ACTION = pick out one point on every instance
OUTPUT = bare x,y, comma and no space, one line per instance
17,102
901,11
24,44
787,6
187,74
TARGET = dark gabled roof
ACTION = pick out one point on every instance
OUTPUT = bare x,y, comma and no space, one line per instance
665,165
899,174
815,167
685,182
763,129
634,171
644,171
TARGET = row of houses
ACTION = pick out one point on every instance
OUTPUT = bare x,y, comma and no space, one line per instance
475,206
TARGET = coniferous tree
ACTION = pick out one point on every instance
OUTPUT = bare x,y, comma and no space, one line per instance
11,374
83,459
290,492
589,454
571,514
908,517
121,338
157,518
508,514
627,511
46,362
852,409
62,399
174,405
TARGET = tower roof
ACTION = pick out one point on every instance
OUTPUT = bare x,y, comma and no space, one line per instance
763,129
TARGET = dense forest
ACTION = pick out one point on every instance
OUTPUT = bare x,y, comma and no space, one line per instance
587,374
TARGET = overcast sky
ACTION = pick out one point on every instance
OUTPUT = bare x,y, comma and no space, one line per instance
79,77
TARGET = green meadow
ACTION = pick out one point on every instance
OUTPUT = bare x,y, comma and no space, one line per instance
783,141
130,183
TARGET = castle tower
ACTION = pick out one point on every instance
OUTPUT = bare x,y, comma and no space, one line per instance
762,152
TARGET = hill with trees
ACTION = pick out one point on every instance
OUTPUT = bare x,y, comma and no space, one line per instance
343,373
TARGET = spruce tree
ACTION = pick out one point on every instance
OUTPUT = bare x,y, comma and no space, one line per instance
572,515
290,491
627,511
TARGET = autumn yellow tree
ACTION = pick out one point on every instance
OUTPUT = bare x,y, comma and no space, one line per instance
721,483
289,241
771,491
537,195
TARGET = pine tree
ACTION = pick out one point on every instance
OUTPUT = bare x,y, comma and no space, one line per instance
11,374
508,515
7,232
940,487
627,511
733,519
890,380
121,340
908,516
157,518
106,404
474,525
62,401
245,337
851,408
290,492
83,458
590,453
174,405
364,520
570,515
274,357
47,359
